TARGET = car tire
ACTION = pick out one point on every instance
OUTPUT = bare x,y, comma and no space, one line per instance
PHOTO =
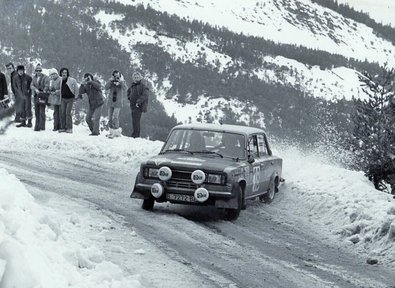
268,197
233,214
148,204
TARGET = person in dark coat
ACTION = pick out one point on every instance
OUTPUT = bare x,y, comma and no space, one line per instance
22,82
10,75
40,89
3,92
3,86
138,96
92,88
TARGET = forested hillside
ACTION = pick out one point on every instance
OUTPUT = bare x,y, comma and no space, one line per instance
70,33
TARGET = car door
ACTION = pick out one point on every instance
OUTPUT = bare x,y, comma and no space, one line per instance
265,163
254,183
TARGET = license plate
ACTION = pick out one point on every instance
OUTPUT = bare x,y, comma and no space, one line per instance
181,197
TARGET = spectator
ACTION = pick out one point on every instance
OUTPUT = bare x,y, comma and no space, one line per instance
92,88
22,82
68,92
138,96
10,75
40,89
54,97
3,87
116,87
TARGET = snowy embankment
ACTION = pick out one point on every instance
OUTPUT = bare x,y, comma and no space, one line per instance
37,240
40,247
343,201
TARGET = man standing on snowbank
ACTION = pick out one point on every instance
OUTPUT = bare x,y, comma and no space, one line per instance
92,88
22,82
138,96
116,87
40,88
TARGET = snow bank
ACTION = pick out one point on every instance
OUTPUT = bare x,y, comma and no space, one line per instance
344,201
35,250
124,150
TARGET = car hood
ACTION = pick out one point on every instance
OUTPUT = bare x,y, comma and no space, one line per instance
208,162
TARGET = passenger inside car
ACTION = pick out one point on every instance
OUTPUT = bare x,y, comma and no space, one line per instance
196,142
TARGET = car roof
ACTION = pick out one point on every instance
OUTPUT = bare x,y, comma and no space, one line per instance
246,130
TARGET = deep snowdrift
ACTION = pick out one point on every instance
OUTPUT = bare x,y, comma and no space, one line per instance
36,241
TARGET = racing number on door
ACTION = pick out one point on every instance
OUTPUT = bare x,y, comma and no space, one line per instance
256,178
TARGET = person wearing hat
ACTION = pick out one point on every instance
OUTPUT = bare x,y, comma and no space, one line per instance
54,98
22,82
92,88
40,89
138,97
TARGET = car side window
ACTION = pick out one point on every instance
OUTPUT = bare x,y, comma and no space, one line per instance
253,146
261,145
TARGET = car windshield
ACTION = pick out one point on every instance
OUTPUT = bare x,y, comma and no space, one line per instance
223,144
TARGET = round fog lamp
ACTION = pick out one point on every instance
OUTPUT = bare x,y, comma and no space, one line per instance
201,194
157,190
164,173
198,177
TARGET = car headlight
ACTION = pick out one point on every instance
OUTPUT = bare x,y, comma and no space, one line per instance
216,179
151,172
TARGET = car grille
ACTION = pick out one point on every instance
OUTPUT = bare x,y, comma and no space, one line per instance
178,175
181,185
181,179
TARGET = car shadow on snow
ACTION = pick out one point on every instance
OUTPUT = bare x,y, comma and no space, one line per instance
190,212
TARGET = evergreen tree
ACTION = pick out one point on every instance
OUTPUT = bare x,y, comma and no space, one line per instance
374,125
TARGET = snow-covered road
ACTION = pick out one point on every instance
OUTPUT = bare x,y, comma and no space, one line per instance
266,247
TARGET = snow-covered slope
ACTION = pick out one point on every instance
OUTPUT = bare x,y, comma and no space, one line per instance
299,22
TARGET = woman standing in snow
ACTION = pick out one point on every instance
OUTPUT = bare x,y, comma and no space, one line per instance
55,97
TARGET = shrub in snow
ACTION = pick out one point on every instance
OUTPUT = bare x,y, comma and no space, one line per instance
374,132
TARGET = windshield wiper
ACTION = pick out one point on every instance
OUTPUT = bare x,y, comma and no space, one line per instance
209,152
178,150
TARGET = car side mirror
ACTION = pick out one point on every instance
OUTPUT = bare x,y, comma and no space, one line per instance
251,159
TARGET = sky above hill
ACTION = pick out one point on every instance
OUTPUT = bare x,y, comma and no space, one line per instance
381,10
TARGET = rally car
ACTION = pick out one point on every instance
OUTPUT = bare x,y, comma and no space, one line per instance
210,164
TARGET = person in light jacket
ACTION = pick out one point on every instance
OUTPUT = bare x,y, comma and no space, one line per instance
55,97
116,88
68,92
92,89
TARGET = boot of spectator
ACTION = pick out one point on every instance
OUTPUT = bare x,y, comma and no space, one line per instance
118,132
22,124
111,134
29,123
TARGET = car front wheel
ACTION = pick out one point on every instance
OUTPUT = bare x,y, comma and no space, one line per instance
148,204
233,214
